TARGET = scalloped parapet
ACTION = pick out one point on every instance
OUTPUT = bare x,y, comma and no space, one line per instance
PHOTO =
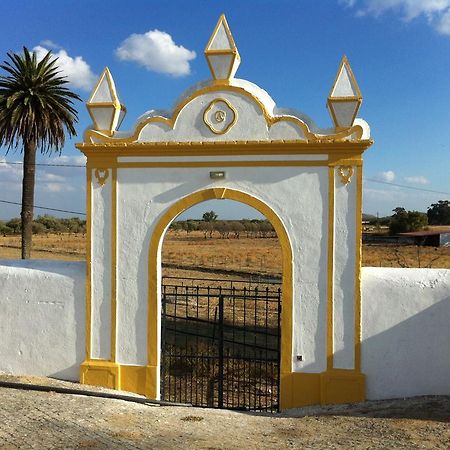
227,109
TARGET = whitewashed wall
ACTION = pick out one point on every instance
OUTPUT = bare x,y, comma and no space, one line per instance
405,325
406,332
145,195
42,318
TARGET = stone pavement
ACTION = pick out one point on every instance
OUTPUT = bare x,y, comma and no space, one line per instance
47,420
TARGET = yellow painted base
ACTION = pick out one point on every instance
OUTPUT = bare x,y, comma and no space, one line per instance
334,386
139,379
342,386
296,389
99,372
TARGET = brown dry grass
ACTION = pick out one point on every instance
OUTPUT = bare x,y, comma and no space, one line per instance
183,253
406,256
64,246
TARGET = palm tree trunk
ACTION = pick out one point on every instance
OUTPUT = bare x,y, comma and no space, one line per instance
29,171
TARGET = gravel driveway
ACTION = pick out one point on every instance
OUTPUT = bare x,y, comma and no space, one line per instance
48,420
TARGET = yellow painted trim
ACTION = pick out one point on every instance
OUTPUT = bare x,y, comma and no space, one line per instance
113,263
303,389
187,164
330,264
105,74
133,378
153,280
222,21
137,379
101,174
235,59
217,87
330,106
345,62
98,372
298,389
345,174
358,246
343,160
336,150
208,122
336,99
341,386
114,103
88,329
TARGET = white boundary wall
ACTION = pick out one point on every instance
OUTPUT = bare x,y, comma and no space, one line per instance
405,325
42,318
405,332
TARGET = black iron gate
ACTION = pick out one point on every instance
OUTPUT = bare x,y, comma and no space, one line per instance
220,344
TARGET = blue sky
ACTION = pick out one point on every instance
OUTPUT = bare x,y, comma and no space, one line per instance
399,51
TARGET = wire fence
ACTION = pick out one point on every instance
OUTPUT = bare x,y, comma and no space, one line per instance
83,166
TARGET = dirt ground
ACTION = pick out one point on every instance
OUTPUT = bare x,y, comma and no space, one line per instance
244,255
41,420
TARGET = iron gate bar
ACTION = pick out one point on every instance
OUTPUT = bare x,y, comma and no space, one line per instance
260,280
194,319
230,360
220,345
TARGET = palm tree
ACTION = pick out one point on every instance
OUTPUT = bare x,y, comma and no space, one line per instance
35,111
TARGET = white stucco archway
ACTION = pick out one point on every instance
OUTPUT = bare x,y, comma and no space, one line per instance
307,180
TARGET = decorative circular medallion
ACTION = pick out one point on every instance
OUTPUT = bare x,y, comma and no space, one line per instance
219,116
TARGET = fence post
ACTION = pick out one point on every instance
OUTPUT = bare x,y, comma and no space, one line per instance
220,386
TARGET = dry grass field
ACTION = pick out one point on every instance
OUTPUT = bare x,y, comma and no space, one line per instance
184,254
65,246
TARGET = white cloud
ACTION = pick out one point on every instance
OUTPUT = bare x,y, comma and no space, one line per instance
437,12
420,179
156,51
47,43
388,176
50,177
10,173
76,69
57,187
443,24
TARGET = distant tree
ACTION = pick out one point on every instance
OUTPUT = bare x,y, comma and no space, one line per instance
38,228
265,228
15,225
439,213
4,229
248,227
223,227
237,228
36,110
73,224
207,228
189,225
52,224
176,226
210,216
403,221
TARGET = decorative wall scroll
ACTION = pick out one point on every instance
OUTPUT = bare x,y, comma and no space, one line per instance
219,116
346,173
102,175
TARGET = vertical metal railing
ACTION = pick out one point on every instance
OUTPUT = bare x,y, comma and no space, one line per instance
220,346
220,375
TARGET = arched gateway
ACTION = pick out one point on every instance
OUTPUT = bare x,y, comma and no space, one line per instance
227,139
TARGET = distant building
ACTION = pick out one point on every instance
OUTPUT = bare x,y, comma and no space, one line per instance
432,238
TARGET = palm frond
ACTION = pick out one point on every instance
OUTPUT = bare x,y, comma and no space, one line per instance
35,104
